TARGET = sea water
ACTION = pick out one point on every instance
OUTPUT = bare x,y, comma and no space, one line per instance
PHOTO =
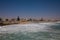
32,31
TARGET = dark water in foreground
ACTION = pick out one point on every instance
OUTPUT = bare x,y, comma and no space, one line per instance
38,31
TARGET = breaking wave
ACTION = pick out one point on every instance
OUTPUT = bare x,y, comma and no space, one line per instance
33,27
32,31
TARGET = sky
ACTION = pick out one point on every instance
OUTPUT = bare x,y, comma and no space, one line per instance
30,8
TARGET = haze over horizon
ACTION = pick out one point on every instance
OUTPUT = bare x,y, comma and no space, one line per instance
30,8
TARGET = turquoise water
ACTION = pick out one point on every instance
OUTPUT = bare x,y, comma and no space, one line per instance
38,31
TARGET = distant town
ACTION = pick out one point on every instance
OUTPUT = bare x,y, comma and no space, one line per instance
19,20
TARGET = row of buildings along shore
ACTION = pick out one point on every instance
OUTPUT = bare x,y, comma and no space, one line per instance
23,20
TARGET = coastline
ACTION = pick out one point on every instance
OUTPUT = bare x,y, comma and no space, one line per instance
27,22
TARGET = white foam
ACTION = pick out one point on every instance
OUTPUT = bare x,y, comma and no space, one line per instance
0,27
25,27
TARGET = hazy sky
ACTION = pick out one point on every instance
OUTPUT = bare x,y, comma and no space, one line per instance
30,8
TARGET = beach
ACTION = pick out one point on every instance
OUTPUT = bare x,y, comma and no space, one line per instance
22,22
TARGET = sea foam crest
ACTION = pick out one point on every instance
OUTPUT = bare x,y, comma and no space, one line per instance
32,27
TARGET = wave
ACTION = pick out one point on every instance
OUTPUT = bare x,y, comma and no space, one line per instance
32,27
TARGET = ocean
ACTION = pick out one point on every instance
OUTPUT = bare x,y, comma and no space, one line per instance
32,31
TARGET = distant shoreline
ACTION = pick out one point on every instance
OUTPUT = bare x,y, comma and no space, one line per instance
19,20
